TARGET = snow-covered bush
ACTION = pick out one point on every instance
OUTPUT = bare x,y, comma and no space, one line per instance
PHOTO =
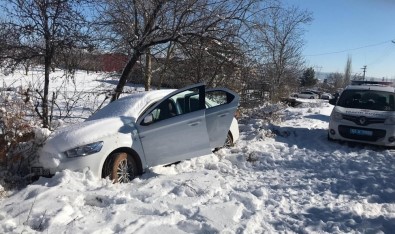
2,192
18,126
272,113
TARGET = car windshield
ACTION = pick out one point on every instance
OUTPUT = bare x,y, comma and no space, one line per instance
367,99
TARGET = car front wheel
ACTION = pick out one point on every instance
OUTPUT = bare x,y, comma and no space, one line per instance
312,97
121,168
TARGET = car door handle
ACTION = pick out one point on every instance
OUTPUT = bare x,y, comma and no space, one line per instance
222,115
194,123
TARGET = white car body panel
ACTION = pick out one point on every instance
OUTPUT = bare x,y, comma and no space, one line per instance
117,126
113,132
187,132
234,130
218,119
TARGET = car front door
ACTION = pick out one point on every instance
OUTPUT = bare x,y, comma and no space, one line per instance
175,128
221,105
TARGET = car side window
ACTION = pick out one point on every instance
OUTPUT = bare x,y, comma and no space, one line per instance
181,103
164,110
217,98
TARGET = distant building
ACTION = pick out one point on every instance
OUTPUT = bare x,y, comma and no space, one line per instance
113,62
116,62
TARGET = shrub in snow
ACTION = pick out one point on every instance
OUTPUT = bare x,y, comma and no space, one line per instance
19,136
2,192
271,113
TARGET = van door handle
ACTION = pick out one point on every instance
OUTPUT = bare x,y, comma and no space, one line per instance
194,123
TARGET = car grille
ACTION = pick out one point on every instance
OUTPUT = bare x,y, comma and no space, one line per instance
345,131
356,120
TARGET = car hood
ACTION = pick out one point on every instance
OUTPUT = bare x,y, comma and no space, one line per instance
81,134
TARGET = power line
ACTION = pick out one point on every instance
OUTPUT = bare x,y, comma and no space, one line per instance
346,50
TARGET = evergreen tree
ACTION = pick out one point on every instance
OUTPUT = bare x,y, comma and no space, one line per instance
308,79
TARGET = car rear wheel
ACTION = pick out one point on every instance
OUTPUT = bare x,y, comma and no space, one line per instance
121,168
229,140
312,97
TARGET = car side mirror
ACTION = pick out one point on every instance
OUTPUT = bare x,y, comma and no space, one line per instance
333,101
149,119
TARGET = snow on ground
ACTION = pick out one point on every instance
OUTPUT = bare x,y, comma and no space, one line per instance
278,178
83,92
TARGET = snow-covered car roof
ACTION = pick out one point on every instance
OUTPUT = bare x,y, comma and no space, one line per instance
131,105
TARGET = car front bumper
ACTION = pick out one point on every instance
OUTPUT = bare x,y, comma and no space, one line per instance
376,134
89,162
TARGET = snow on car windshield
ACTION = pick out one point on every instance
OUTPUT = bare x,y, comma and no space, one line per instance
130,106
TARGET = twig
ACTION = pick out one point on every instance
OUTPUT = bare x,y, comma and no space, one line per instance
41,222
30,211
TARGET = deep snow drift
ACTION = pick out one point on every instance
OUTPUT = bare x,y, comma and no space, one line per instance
278,178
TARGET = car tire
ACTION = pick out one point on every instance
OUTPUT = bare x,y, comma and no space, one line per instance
296,96
120,168
312,97
229,140
329,138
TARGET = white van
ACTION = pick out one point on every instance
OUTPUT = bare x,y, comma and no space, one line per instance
364,112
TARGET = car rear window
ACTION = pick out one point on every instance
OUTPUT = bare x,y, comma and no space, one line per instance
367,99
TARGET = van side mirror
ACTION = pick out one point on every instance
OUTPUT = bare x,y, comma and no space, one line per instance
333,101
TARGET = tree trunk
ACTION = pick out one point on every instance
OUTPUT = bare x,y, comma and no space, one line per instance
26,69
163,71
124,76
44,105
148,70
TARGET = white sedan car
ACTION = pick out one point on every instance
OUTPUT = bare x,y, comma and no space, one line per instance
143,130
306,94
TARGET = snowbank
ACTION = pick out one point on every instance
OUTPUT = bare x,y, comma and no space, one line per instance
278,178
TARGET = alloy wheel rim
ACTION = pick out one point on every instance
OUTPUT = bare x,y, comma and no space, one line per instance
123,172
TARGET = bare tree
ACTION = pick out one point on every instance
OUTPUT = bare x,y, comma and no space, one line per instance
336,81
138,25
42,29
347,72
279,39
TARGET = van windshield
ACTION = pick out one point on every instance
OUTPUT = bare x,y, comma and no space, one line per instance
367,99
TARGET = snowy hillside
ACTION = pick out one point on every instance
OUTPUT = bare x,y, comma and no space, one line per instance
278,178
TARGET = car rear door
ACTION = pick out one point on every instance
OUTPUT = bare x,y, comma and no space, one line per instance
171,137
221,105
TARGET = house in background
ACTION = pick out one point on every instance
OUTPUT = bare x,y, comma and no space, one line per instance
115,62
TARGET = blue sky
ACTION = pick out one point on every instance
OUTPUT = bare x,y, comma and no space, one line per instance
362,29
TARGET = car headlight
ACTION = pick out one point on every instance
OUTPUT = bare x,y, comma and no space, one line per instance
84,150
337,116
390,120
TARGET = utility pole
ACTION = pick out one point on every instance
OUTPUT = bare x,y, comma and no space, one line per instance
364,71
